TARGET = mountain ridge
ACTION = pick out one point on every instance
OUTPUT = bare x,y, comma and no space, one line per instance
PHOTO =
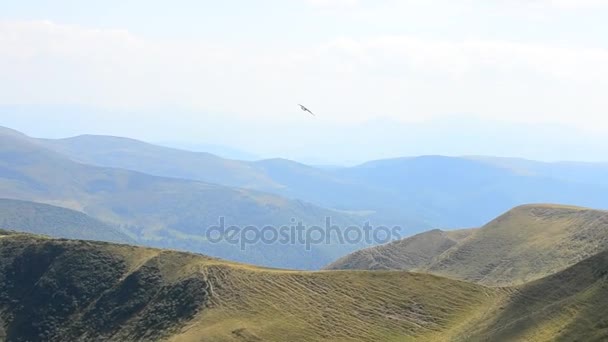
524,244
83,290
418,192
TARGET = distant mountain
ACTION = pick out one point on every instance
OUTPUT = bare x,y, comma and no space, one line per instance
581,172
37,218
524,244
164,212
459,192
417,193
218,150
279,176
130,154
64,290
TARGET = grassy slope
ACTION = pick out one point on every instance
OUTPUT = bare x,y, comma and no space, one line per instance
66,290
526,243
571,305
238,301
125,293
164,212
366,306
58,222
406,254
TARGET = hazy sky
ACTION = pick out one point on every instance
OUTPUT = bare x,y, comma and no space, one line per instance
506,77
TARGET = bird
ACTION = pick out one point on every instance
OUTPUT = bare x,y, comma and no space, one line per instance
306,110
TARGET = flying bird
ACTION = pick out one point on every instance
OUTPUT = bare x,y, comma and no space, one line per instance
306,110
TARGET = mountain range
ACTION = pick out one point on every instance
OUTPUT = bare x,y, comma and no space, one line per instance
168,198
72,211
415,192
162,211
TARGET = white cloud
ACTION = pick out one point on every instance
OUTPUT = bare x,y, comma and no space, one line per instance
351,78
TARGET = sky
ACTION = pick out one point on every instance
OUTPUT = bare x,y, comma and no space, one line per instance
386,78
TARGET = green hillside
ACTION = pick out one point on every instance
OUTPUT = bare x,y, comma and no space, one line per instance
407,254
43,219
524,244
119,293
163,212
58,290
571,305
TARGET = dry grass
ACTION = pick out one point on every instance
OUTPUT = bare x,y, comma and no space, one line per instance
247,303
525,244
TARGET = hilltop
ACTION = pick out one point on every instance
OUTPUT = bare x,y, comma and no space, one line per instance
406,254
524,244
119,293
74,290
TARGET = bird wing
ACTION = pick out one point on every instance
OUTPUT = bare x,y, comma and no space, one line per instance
306,109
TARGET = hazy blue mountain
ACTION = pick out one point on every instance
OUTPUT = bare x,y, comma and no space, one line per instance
219,150
44,219
279,176
156,160
590,173
415,192
306,141
465,192
160,211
